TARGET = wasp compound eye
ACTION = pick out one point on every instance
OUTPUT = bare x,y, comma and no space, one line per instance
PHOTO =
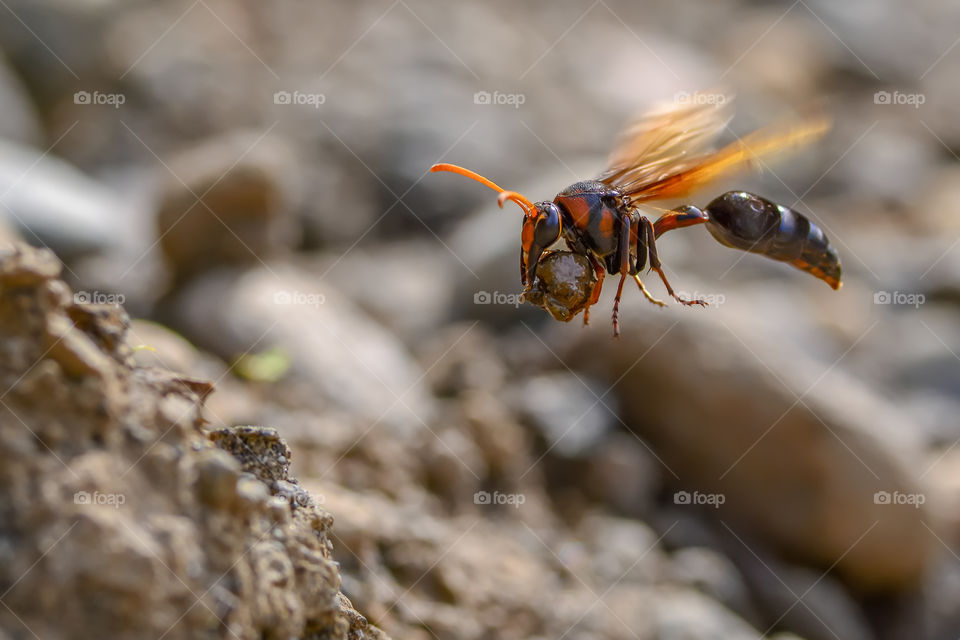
548,226
546,231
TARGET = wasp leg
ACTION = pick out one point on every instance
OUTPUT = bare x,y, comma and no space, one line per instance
616,305
646,293
597,288
639,241
625,268
657,266
685,216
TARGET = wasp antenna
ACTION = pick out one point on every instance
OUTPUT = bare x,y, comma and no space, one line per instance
505,195
513,196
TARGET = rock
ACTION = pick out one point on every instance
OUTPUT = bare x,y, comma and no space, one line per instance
494,578
564,284
775,62
339,357
217,476
806,601
261,450
939,198
156,346
462,357
942,475
50,202
890,176
408,288
623,551
8,236
728,422
570,413
227,201
623,474
873,61
20,123
716,576
681,614
936,612
123,523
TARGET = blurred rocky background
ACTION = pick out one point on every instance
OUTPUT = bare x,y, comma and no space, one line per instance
248,181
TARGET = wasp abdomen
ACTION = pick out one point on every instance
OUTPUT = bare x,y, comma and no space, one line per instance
748,222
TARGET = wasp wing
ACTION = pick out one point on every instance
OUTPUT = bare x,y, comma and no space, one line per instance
668,153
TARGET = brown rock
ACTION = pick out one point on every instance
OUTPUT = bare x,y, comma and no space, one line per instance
120,517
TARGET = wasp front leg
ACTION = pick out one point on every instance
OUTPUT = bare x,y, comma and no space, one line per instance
597,288
624,268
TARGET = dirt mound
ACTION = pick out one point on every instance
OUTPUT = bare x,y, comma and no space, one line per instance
124,517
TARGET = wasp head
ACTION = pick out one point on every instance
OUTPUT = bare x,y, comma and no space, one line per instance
539,232
541,222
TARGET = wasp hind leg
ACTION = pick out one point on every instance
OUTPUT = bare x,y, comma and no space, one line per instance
657,266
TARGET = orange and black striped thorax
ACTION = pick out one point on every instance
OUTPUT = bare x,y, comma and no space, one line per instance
591,211
748,222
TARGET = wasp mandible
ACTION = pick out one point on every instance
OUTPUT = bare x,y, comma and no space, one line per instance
668,153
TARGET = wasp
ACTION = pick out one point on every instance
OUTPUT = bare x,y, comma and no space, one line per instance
665,154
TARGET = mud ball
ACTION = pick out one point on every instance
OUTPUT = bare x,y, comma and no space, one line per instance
563,285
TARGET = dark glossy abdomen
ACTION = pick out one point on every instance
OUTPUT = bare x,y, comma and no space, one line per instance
748,222
589,209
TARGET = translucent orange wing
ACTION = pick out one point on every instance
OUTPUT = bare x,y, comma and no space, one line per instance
659,141
668,153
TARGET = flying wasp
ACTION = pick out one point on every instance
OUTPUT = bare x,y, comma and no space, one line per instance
664,154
